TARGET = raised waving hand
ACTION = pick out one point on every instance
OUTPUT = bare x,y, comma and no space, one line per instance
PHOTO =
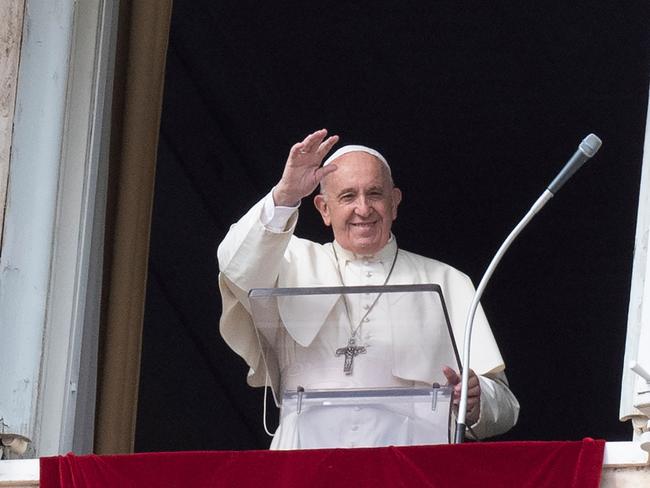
303,172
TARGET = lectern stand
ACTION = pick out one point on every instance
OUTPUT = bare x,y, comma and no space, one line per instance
410,416
304,338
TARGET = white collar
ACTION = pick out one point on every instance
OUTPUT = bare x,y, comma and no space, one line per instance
385,255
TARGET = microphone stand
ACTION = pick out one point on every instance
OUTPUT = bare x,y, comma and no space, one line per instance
462,408
588,147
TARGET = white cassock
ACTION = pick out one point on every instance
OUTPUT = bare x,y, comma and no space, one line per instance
255,255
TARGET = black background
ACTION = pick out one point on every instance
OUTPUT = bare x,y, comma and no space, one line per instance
476,105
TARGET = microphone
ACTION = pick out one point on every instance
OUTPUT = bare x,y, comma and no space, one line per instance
588,147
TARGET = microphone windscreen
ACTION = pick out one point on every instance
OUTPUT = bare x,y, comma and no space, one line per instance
590,145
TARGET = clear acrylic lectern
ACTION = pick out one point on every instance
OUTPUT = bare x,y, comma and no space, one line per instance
361,357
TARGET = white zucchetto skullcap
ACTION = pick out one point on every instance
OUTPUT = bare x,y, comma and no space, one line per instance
352,148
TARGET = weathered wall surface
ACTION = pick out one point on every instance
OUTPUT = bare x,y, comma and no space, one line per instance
11,13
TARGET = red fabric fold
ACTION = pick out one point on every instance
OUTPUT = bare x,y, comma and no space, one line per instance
503,464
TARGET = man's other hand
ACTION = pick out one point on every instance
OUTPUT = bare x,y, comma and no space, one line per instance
473,393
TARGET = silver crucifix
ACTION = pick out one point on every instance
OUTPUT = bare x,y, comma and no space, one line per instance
350,351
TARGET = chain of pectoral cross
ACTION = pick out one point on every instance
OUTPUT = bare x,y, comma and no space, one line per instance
351,350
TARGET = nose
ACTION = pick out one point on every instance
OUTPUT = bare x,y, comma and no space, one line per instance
363,208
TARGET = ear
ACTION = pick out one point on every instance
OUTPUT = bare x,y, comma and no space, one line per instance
397,198
320,202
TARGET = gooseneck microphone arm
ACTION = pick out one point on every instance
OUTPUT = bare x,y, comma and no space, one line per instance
588,147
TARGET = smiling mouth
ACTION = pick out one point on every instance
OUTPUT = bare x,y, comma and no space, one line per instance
363,225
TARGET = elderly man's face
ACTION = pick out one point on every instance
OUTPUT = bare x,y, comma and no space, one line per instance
359,202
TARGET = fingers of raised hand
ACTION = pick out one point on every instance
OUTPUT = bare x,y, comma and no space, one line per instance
297,150
325,146
323,171
312,142
312,150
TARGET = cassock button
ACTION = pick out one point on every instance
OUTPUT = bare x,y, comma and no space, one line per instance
355,428
367,319
368,274
366,307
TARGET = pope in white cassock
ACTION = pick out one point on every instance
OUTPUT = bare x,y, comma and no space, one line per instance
359,201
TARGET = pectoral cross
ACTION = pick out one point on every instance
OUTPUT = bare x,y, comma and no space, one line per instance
350,351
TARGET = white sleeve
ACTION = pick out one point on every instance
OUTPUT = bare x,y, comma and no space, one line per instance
273,217
499,407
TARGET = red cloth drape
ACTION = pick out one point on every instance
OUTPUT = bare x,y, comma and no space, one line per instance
502,464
